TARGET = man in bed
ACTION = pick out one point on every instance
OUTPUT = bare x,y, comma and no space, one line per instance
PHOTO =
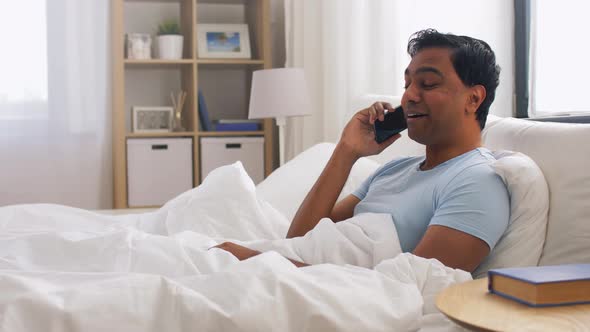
450,204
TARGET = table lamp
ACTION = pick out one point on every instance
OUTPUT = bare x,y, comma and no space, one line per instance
279,93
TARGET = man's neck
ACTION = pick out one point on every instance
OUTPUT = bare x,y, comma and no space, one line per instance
438,154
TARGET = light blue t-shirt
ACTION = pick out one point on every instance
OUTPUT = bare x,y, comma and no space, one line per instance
463,193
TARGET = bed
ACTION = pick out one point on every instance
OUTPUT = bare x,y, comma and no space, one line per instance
66,269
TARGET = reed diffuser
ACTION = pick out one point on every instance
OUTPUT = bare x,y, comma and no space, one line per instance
178,104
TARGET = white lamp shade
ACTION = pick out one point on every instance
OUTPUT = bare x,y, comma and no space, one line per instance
278,93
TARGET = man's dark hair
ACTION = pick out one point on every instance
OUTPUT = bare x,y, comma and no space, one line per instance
473,60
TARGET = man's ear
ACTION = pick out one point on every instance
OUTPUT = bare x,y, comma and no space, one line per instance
477,94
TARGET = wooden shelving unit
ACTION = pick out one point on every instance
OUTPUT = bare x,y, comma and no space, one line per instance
230,62
171,134
257,16
159,62
230,133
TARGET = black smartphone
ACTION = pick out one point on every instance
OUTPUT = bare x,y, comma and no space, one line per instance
393,123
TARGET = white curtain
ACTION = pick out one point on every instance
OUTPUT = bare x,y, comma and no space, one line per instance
55,122
353,47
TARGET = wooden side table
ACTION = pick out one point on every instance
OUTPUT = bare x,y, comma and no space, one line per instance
470,305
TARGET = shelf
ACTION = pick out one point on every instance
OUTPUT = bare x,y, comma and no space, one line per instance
230,62
158,62
173,134
162,1
229,133
225,2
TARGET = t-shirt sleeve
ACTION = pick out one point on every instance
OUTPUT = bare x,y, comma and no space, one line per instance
362,191
475,202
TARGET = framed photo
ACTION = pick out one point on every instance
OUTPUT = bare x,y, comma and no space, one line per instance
223,41
148,119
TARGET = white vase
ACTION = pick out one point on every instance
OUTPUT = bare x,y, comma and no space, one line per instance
170,47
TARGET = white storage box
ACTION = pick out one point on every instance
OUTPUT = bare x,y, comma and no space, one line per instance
219,151
158,169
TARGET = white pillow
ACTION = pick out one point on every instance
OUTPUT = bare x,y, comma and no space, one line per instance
286,188
562,152
522,243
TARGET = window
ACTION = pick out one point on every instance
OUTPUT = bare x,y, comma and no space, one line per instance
23,60
559,58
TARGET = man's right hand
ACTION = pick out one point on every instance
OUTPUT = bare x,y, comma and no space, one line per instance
358,137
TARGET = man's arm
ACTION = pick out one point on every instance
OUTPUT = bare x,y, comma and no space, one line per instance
470,220
453,248
243,253
358,140
319,202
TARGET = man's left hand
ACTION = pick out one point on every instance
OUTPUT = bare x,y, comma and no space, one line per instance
237,250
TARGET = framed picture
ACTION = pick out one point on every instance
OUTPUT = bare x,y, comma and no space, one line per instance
148,119
223,41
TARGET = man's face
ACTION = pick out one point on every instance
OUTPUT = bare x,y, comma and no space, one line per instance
434,99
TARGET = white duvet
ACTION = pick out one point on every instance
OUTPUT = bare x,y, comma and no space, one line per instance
64,269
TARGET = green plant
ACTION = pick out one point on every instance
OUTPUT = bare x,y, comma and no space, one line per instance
169,28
